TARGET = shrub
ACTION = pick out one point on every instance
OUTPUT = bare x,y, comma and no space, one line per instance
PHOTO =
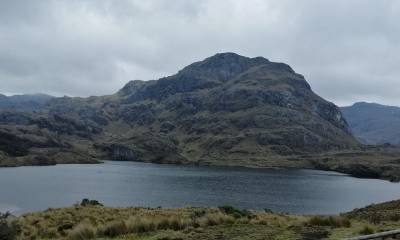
331,221
9,228
140,225
113,229
314,233
366,230
198,213
213,219
267,210
87,202
237,213
163,223
177,223
82,231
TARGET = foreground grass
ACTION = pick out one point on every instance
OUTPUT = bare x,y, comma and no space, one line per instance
93,221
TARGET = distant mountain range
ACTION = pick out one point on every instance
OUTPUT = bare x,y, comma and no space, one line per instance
373,123
24,102
227,110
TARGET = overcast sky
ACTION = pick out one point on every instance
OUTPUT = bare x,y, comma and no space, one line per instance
348,50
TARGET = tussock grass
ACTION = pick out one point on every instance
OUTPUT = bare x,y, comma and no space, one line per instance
213,219
329,221
94,221
113,229
137,224
90,221
82,231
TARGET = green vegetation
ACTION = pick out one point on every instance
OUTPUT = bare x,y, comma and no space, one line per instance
330,221
94,221
367,230
237,213
9,227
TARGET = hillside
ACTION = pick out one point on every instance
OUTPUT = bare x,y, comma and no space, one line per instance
374,123
26,102
225,110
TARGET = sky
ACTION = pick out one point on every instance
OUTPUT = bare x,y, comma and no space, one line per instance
348,50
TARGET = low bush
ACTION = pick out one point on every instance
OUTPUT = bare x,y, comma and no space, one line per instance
82,231
140,225
366,230
212,219
331,221
9,227
237,213
178,223
113,229
87,202
267,210
314,233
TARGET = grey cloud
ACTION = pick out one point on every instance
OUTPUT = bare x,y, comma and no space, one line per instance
347,49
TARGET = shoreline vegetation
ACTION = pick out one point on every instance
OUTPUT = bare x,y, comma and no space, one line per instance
91,220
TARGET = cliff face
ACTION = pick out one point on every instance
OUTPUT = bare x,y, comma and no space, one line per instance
227,109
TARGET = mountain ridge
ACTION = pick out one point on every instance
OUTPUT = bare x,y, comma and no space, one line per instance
374,123
24,102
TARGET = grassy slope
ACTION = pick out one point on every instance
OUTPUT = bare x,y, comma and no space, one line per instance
98,222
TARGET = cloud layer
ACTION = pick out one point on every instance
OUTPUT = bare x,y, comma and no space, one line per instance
348,50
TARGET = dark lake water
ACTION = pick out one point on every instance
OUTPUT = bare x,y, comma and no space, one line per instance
139,184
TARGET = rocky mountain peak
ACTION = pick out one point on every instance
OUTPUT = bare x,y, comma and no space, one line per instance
225,109
209,73
222,66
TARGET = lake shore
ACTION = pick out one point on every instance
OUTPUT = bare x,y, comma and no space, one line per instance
122,184
375,162
92,220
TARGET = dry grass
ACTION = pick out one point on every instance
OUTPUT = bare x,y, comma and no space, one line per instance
82,231
86,222
98,222
329,221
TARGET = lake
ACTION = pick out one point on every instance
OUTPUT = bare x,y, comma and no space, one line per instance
25,189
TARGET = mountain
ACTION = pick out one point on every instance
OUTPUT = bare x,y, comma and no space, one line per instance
24,102
374,123
227,110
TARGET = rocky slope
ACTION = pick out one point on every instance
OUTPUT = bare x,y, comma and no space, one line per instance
374,123
226,110
26,102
